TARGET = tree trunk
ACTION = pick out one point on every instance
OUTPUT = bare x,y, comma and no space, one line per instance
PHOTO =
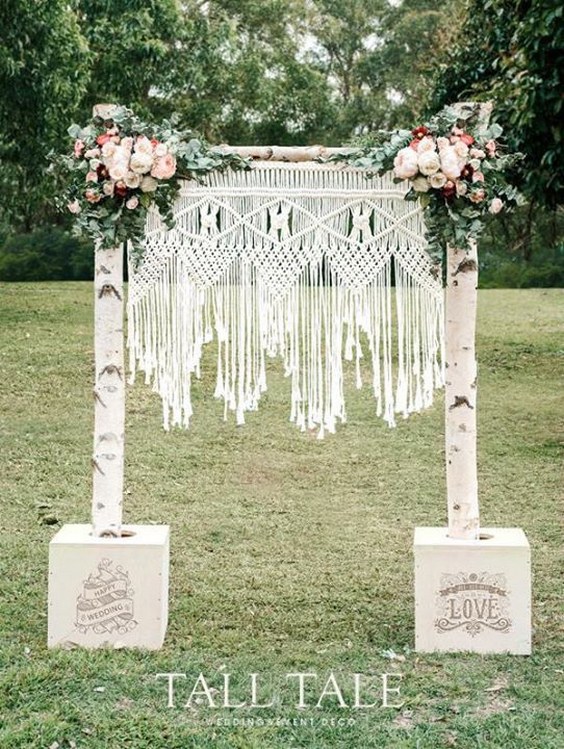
109,393
460,393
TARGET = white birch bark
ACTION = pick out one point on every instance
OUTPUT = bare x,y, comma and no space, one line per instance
109,393
460,393
282,153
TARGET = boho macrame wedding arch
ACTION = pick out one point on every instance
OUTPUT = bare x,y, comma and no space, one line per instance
291,258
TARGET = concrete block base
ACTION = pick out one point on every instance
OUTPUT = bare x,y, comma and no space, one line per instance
472,595
108,592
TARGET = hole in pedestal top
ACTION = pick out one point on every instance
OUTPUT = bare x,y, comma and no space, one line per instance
124,533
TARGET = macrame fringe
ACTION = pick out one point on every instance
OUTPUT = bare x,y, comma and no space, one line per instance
290,261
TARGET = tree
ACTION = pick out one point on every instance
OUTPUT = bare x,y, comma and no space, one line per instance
43,73
133,46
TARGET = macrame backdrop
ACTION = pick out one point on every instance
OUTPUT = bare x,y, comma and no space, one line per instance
295,260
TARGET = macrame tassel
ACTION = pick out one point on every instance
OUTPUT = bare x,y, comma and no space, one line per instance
292,261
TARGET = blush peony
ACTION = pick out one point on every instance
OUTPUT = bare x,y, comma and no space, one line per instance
405,163
164,167
449,163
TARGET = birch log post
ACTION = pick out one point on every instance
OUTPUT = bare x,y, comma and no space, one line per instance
461,303
109,393
460,393
109,388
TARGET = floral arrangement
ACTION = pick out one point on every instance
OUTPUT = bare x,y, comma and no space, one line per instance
120,166
457,170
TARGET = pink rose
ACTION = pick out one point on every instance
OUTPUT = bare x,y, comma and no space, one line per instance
442,142
478,177
477,153
74,207
92,196
477,196
78,148
496,205
92,153
491,147
405,163
132,203
468,139
164,167
92,177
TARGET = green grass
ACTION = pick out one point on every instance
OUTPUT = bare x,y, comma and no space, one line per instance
287,553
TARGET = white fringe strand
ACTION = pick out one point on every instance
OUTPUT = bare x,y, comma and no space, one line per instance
289,260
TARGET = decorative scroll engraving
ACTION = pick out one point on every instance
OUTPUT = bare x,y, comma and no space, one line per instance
106,601
473,602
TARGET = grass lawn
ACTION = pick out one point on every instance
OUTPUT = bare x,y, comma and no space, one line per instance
288,553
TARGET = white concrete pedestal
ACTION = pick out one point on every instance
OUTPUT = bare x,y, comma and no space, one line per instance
472,595
108,592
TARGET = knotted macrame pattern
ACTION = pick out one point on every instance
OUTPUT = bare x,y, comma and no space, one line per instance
313,263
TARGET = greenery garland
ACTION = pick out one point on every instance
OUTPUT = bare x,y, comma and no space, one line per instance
457,170
120,166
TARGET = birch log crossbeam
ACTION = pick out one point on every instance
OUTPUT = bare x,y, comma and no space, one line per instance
282,153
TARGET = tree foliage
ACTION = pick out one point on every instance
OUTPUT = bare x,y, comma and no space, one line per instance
512,52
43,70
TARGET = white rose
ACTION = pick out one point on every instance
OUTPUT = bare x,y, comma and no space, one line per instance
420,184
132,180
108,188
429,162
461,188
92,153
442,143
118,170
160,149
143,145
94,164
141,162
132,203
496,205
475,163
437,180
405,163
426,144
477,153
461,149
148,184
108,150
449,163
